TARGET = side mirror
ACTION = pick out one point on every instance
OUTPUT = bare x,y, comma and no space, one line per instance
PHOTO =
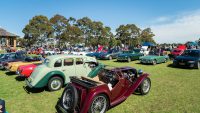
140,72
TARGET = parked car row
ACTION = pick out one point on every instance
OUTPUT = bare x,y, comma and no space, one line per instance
90,86
101,86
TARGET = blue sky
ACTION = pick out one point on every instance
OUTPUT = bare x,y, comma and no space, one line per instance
170,20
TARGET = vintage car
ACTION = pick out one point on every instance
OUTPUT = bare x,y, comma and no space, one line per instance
176,52
79,52
26,70
111,54
129,56
190,58
11,57
33,59
153,58
94,54
56,69
109,88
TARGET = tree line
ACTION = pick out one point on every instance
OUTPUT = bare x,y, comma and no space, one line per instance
82,30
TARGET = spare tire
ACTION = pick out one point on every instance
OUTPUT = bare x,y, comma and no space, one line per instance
69,98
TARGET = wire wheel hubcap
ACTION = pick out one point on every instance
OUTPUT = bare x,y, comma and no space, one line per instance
67,99
99,105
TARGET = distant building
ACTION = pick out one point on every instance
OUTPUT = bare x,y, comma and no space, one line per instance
7,39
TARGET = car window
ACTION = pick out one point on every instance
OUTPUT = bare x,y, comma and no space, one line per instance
58,63
79,61
68,62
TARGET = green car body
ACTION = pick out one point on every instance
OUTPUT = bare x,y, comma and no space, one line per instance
62,66
153,59
129,56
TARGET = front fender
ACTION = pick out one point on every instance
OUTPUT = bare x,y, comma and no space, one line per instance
44,81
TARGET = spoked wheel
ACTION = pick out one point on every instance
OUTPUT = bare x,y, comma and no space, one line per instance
145,86
198,65
99,104
69,98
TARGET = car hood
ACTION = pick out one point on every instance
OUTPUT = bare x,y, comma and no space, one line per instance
123,55
149,57
189,58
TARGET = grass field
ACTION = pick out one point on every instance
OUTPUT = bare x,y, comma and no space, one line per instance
174,90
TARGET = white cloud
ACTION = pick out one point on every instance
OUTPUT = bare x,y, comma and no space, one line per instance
180,29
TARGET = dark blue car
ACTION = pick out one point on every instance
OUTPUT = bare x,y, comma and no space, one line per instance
190,58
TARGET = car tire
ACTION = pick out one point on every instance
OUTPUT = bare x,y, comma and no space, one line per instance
103,100
145,86
69,95
110,57
55,83
198,65
129,59
154,62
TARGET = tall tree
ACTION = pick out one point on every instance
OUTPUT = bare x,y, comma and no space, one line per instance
59,24
38,29
128,34
85,24
72,34
147,35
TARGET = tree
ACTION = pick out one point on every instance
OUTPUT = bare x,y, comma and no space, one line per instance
59,24
147,36
38,29
72,34
128,34
85,25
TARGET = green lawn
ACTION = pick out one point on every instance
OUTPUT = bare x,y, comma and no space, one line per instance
174,90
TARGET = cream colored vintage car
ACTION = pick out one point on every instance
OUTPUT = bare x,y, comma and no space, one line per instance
13,66
56,69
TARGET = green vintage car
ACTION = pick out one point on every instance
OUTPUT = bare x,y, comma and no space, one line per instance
153,58
129,56
56,69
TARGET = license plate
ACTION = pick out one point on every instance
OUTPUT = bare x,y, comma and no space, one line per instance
181,63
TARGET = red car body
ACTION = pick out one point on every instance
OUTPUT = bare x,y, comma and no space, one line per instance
26,70
177,51
87,89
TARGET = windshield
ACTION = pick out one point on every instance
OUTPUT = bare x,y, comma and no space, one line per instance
193,53
137,50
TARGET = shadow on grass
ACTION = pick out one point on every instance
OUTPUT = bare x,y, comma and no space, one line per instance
19,78
148,64
33,90
180,67
122,61
10,73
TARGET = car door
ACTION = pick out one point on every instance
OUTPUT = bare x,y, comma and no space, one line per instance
68,68
81,68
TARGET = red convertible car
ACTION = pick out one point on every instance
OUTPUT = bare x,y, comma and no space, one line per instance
109,88
26,70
